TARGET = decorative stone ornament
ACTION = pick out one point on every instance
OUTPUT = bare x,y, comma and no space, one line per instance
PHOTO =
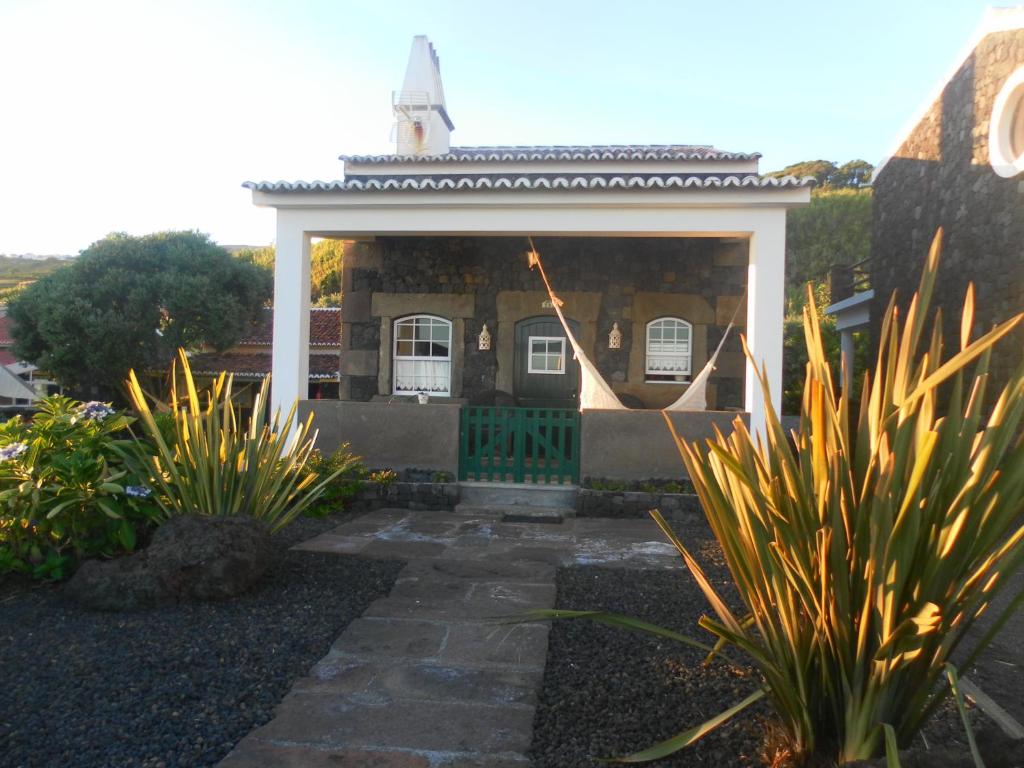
484,342
615,337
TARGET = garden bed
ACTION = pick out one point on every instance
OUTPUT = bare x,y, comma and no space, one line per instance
174,686
609,692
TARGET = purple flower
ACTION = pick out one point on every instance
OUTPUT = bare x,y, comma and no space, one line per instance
138,491
93,411
12,451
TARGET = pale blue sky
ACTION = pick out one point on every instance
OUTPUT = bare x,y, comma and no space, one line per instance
139,116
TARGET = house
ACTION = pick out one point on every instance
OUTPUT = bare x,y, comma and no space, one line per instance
21,383
652,248
960,166
250,359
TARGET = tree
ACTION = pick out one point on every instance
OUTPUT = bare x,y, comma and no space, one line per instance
326,260
327,257
852,175
130,302
834,229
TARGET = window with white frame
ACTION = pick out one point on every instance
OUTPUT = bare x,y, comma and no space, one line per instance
423,355
1006,127
547,355
669,351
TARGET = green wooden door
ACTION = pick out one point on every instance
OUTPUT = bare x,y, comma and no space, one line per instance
546,374
520,445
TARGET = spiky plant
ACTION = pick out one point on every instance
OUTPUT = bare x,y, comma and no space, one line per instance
865,555
214,464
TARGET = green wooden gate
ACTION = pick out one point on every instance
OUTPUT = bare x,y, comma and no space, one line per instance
520,445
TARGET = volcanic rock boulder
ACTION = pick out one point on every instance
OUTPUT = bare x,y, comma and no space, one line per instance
190,557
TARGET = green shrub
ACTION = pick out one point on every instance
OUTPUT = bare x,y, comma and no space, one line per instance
216,465
65,492
865,555
345,475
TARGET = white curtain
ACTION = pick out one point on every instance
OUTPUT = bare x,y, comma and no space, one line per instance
422,376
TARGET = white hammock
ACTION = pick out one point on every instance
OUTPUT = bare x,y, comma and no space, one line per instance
594,391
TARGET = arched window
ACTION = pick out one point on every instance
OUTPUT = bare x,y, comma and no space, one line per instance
1006,128
669,351
423,355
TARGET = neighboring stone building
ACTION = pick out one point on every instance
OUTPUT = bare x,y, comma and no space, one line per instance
960,166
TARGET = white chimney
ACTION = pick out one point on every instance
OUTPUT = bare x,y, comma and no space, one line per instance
422,125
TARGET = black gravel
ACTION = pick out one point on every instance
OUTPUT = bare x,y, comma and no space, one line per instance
610,692
174,686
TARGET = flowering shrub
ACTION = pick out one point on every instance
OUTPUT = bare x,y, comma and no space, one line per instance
346,476
64,489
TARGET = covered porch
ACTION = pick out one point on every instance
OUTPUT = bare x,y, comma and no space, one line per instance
438,300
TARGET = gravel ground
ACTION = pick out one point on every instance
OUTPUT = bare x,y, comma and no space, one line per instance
609,692
175,686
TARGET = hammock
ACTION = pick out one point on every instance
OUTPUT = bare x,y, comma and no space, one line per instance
594,391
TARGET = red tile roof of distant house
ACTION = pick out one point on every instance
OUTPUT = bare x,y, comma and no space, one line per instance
322,367
7,357
324,328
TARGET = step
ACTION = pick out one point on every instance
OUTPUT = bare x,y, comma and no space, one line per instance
474,494
519,514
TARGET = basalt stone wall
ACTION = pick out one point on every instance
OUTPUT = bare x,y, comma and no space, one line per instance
604,280
941,177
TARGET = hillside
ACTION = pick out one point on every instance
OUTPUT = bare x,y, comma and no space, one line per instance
18,271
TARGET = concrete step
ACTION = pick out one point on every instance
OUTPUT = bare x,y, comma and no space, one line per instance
519,514
504,495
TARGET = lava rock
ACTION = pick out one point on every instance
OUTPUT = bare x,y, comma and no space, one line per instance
192,556
179,684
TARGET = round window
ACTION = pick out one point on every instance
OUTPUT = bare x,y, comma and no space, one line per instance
1006,131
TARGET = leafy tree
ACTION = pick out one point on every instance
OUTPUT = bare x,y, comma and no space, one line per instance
261,257
821,170
130,302
326,259
854,174
834,229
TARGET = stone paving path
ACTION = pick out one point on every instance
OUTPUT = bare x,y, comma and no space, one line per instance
427,678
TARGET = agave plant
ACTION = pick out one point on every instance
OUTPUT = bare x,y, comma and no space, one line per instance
211,463
866,552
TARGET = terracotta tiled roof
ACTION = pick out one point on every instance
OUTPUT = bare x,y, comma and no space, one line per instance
563,153
7,357
257,365
324,328
537,181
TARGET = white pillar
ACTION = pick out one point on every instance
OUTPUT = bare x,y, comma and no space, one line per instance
290,379
766,290
846,354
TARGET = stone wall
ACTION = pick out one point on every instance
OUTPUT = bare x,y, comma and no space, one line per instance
405,495
941,176
603,280
636,504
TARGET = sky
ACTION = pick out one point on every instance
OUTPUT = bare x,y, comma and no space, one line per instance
138,116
